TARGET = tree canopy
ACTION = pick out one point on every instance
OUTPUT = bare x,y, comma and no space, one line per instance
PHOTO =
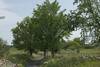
44,30
86,16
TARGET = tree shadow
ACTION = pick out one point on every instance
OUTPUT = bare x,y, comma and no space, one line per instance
25,60
19,58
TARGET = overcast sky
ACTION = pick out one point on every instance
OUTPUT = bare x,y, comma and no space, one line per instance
15,10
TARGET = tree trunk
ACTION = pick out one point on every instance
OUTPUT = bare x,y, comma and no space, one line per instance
52,53
45,53
30,52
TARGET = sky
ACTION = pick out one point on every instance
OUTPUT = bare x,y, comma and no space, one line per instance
16,10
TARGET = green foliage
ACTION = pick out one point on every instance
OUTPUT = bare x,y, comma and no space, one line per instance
53,25
44,30
89,10
2,43
78,40
19,59
75,44
3,48
24,35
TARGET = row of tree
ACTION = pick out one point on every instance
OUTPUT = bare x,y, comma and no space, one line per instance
44,31
88,12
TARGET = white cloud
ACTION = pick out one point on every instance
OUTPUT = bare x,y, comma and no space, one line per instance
8,23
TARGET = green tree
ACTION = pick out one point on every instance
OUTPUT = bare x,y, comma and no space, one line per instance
53,26
89,10
24,37
73,45
3,47
44,30
78,40
2,43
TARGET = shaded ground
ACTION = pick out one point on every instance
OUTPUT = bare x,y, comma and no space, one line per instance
34,63
25,60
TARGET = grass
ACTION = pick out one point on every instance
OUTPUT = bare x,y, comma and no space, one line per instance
72,62
86,58
20,57
15,57
65,58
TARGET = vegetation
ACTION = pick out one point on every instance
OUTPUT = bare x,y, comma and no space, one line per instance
88,12
73,62
41,35
3,48
86,58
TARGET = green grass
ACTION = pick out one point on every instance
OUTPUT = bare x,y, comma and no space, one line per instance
65,58
72,62
90,64
73,59
20,57
16,57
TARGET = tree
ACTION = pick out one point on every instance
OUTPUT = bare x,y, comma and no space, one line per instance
53,26
2,43
78,40
3,47
44,30
73,45
24,35
89,10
